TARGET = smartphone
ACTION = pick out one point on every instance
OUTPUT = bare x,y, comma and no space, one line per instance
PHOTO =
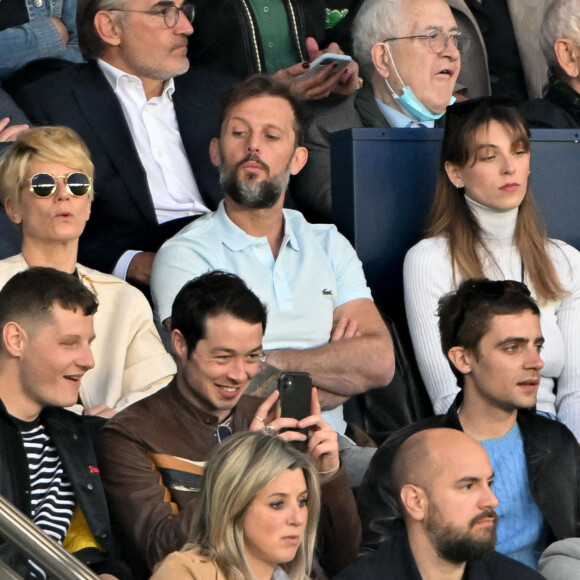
323,60
295,400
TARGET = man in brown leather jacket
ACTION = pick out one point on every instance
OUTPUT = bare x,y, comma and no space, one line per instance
152,454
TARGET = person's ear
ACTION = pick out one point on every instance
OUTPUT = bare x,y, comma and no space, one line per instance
454,173
380,58
299,160
214,152
461,359
13,212
414,500
565,51
107,27
14,338
179,343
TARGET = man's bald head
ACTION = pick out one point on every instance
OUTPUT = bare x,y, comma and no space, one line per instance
426,454
442,480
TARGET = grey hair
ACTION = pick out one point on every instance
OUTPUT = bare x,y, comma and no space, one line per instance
375,21
90,42
561,20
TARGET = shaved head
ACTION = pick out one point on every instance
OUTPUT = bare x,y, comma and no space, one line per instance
426,454
442,481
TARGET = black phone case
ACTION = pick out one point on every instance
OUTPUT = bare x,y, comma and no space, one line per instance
295,399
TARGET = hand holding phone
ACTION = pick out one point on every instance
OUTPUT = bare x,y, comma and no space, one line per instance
322,442
328,58
295,400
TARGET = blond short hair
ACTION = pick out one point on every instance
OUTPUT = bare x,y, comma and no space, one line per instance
51,144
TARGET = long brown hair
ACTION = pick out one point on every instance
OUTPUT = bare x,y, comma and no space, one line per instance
451,217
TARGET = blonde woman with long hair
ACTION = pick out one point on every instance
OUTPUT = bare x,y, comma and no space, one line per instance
257,515
484,223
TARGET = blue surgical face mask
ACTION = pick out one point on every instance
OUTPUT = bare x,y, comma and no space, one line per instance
408,101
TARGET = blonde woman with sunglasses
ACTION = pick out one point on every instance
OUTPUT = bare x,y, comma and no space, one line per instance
46,187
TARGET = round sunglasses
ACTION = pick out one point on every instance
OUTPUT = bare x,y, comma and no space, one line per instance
44,184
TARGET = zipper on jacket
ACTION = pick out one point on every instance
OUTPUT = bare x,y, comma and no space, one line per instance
253,35
294,27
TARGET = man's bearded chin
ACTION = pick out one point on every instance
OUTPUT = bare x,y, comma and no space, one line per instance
456,545
254,194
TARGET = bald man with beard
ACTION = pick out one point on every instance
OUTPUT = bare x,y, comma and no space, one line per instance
442,480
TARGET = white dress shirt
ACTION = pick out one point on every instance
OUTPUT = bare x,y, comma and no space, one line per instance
155,132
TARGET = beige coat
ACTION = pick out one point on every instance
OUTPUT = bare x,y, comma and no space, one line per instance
187,565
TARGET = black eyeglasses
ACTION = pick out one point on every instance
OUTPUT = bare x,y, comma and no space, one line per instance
438,40
170,13
45,184
223,432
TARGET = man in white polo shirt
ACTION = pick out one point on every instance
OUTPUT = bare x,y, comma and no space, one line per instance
322,319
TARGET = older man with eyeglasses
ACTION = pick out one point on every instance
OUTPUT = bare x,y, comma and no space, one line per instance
409,52
147,120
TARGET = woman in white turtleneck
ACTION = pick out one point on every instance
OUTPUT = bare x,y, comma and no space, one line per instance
483,223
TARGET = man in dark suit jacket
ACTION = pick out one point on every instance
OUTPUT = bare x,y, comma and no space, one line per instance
141,46
392,69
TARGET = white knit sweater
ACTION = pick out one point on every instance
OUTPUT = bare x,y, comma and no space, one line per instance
428,275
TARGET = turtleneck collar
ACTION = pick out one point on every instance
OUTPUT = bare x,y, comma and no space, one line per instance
498,225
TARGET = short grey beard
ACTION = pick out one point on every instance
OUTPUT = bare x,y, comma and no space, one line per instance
254,194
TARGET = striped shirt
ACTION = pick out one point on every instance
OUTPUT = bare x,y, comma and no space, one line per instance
51,495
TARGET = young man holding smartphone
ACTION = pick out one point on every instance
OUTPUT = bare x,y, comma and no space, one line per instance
152,454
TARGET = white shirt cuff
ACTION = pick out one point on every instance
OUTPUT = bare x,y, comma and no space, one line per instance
122,265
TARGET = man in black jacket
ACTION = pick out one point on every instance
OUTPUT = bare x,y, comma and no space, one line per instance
442,480
48,468
491,334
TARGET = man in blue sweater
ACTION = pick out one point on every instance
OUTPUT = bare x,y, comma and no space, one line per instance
491,333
